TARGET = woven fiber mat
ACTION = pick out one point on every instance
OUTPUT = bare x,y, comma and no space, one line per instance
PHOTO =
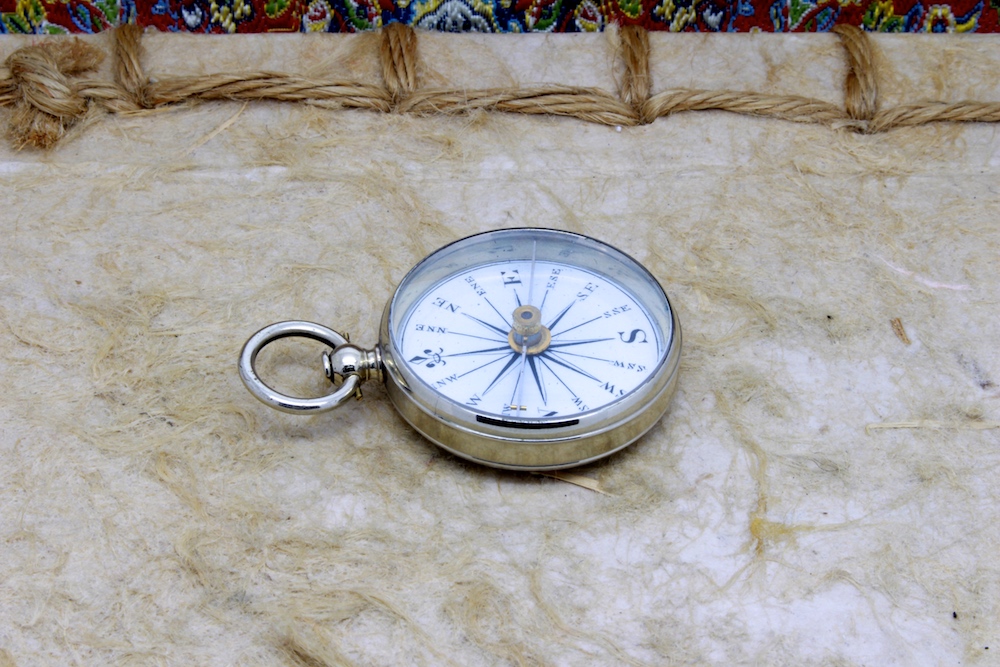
822,210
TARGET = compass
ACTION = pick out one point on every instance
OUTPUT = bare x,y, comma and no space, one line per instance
525,349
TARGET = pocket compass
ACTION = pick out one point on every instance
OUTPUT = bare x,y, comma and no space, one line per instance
524,349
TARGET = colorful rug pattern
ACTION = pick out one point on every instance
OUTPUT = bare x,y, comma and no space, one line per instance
232,16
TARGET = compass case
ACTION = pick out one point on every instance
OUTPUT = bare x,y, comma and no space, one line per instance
529,444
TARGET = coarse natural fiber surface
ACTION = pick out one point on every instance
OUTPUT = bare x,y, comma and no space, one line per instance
822,491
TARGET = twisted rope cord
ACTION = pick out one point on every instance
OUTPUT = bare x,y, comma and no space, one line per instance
860,85
636,82
269,86
786,107
39,82
908,115
398,53
587,104
128,66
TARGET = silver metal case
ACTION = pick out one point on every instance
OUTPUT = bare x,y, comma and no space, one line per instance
538,443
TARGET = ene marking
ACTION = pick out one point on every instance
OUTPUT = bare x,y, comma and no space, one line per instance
471,281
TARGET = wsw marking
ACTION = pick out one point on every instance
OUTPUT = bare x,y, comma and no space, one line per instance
639,368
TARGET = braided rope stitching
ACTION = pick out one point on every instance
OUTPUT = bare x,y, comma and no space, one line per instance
45,85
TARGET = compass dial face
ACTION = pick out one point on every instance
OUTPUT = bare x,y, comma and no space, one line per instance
530,339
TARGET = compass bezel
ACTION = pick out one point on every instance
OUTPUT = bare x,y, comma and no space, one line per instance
531,443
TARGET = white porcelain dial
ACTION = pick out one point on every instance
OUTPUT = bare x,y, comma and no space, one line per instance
602,344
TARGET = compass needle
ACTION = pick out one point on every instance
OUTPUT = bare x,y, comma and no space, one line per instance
524,344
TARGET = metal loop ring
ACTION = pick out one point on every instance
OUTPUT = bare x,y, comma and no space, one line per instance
277,400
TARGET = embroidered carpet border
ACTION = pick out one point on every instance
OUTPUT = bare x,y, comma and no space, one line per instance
517,16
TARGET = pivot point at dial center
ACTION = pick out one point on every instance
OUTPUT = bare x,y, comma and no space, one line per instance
527,332
527,320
